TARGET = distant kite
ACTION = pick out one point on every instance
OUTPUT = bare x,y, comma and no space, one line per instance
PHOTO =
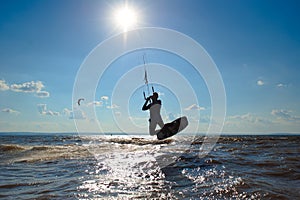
81,99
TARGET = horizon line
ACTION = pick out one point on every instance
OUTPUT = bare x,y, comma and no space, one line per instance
146,134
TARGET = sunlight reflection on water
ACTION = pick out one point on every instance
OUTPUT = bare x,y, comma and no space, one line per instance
136,173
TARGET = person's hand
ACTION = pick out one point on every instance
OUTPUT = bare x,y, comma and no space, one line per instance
148,98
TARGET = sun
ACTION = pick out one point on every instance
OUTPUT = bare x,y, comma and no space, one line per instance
126,18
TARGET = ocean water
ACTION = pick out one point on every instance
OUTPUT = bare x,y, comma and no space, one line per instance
129,167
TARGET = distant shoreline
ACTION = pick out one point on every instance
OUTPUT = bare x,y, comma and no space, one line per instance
137,134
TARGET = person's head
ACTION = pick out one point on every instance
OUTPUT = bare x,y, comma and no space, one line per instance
155,95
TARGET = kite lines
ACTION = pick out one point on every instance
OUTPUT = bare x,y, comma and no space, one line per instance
146,79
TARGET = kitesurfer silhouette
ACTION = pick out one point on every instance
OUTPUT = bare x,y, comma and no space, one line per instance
153,104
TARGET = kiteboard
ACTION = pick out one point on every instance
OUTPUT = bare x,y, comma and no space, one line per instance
172,128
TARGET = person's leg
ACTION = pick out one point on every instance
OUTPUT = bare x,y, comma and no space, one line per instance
160,123
152,127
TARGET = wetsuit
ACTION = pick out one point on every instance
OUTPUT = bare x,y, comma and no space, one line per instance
155,118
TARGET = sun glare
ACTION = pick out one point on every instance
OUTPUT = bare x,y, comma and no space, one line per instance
126,18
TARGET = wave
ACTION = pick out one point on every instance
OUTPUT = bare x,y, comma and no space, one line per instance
11,147
138,141
12,153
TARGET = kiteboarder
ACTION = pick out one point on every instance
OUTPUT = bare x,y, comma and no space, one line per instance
153,104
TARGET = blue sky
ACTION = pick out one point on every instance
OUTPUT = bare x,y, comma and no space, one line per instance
254,44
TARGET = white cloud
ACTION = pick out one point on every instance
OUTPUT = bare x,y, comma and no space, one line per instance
260,83
3,85
42,94
52,113
252,123
10,111
105,98
285,115
113,106
42,108
249,118
96,103
281,85
194,107
28,87
77,114
66,111
245,116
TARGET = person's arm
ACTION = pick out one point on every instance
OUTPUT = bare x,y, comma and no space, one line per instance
159,102
145,106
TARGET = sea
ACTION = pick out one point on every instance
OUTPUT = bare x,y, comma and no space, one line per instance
69,166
